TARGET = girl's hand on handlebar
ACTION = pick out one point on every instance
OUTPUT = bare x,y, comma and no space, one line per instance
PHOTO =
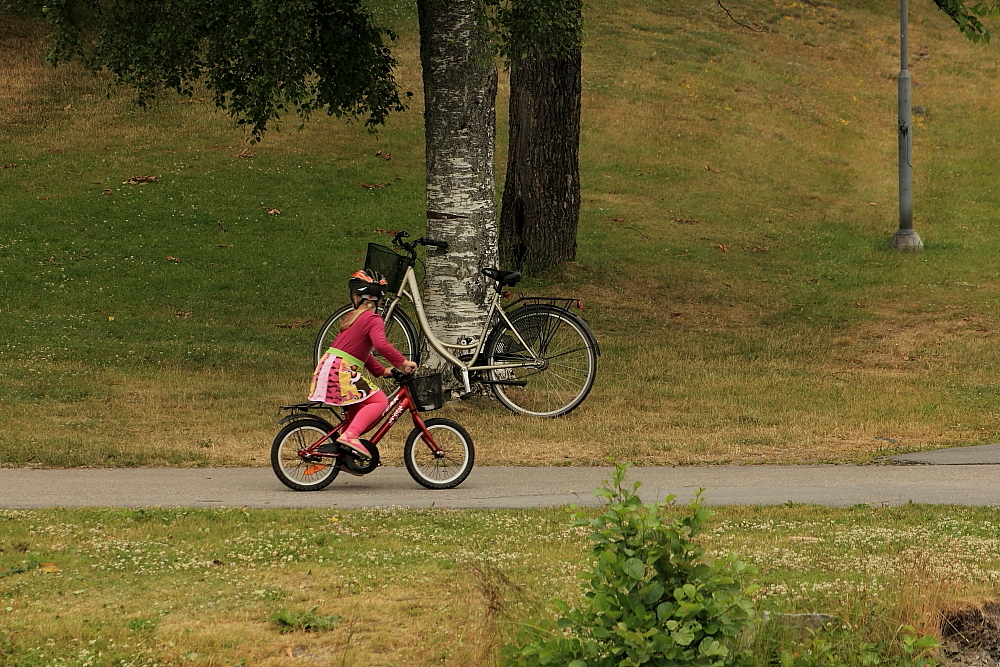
407,368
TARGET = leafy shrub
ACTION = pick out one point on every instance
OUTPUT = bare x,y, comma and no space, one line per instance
654,597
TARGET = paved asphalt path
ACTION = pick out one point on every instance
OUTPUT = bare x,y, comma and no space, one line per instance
965,476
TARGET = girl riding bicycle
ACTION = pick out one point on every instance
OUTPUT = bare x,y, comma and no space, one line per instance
338,380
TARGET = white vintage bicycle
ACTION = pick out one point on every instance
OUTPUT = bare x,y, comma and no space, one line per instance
538,357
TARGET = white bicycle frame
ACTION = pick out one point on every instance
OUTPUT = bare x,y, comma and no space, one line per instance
411,290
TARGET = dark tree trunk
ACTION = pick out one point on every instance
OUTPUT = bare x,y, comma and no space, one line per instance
460,84
541,196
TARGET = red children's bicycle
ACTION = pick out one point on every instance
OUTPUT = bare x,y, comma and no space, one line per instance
438,452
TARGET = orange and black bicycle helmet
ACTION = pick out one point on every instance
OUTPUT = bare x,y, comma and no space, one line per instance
367,284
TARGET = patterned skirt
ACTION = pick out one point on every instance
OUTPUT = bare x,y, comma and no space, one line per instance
338,380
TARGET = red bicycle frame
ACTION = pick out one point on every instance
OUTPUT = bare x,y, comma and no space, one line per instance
400,402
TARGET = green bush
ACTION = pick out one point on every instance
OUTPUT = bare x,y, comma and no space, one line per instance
654,596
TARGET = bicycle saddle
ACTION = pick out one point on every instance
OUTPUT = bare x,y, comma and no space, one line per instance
505,278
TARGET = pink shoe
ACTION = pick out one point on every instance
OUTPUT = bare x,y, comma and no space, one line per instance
355,446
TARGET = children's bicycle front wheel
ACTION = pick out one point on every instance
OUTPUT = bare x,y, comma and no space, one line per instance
449,464
302,473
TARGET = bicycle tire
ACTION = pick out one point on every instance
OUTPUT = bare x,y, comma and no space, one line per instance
294,471
400,332
445,471
570,352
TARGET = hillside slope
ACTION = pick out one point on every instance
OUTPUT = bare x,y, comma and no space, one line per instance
739,196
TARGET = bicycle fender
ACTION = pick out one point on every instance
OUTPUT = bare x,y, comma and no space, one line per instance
303,415
568,313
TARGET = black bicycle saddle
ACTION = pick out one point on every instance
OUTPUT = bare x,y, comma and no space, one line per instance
505,278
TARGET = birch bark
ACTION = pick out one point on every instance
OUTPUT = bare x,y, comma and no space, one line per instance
460,83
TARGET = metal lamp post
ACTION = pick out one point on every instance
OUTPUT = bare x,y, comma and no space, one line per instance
905,237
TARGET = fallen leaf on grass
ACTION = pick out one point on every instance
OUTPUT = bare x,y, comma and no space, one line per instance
50,568
372,186
139,180
245,153
54,150
860,305
272,211
175,260
178,313
714,171
384,156
722,247
225,245
687,221
220,226
386,232
8,166
107,192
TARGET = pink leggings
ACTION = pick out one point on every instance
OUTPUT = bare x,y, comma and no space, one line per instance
361,416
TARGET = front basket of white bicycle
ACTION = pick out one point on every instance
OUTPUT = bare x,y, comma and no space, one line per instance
426,391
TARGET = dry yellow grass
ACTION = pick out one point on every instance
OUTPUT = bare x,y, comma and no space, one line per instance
801,341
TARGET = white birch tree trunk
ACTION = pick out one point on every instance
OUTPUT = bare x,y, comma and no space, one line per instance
460,84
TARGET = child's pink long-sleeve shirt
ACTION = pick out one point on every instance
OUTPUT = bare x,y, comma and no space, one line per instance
366,332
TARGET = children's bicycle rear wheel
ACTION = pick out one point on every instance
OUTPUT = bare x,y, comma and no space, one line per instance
310,473
444,469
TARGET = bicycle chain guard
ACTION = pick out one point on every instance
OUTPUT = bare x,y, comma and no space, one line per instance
357,466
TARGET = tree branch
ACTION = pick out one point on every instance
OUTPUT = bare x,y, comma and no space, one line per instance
734,20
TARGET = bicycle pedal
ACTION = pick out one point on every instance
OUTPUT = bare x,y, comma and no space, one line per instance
466,395
328,448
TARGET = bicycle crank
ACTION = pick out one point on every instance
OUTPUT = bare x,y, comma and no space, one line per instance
358,466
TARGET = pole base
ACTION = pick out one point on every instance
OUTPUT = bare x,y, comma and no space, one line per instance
906,240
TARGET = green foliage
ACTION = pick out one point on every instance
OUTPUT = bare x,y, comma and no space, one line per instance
22,567
525,28
843,649
307,621
967,17
261,60
655,597
142,624
917,651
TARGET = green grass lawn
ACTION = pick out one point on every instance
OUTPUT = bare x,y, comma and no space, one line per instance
738,199
112,587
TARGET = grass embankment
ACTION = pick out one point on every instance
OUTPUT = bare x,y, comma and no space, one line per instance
90,588
738,199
